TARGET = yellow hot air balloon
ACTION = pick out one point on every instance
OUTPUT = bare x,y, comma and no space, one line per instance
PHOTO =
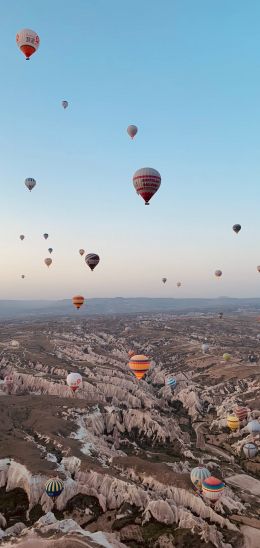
226,357
139,364
78,301
233,422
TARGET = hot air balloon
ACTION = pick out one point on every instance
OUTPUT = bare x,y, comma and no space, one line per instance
81,252
92,260
253,427
28,42
22,237
205,348
171,382
22,276
146,182
250,450
50,250
48,261
132,131
9,382
30,183
65,104
212,488
198,475
139,364
178,284
233,422
226,357
53,488
258,268
74,380
78,301
236,228
46,236
164,280
241,413
220,315
218,273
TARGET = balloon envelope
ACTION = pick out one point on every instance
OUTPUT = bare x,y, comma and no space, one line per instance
198,475
146,182
218,273
92,260
212,488
250,450
50,250
28,42
46,236
54,487
132,131
81,251
48,261
178,284
226,357
171,382
22,237
65,104
253,427
139,364
205,348
78,301
236,228
233,422
74,380
164,280
30,183
258,268
241,413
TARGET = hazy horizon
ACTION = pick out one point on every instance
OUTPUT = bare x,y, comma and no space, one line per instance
187,75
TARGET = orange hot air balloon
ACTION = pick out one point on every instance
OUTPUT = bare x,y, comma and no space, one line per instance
78,301
28,42
139,364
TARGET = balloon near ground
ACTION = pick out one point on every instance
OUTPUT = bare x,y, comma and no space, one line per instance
92,260
226,357
205,348
171,382
28,42
233,422
139,364
30,183
54,488
132,131
250,450
74,380
241,413
146,182
78,301
253,427
198,475
212,488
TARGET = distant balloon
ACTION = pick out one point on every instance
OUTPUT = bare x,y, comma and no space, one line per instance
205,348
22,237
236,228
74,380
218,273
28,42
65,104
92,260
139,364
258,268
212,488
226,357
198,475
164,280
171,382
22,276
220,315
46,236
54,487
253,427
30,183
250,450
48,261
233,422
132,131
146,182
178,284
81,252
241,413
78,301
50,250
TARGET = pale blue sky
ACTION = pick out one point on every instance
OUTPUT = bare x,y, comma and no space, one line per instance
188,74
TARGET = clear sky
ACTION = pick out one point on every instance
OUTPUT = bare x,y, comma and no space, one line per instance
187,73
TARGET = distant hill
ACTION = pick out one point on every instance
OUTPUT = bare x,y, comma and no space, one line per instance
10,309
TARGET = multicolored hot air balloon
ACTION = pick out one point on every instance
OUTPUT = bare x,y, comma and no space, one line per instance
22,237
74,380
253,427
50,250
241,413
65,104
28,42
54,487
78,301
178,284
132,131
171,382
236,228
146,182
30,183
198,475
92,260
250,450
233,422
81,252
212,488
218,273
164,280
139,364
226,357
48,262
46,236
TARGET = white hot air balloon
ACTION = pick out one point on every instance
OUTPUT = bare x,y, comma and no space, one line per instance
74,380
146,182
28,42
